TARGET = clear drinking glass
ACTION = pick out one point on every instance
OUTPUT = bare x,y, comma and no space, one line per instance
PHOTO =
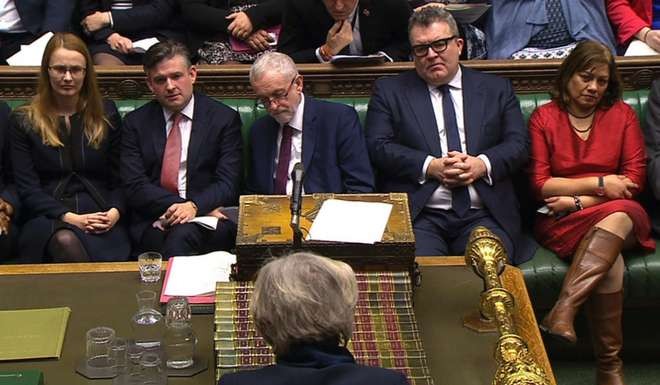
179,335
99,341
147,323
150,264
117,355
152,369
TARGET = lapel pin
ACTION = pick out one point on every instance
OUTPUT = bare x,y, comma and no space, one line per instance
365,12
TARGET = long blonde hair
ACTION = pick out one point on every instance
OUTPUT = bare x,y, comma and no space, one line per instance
42,113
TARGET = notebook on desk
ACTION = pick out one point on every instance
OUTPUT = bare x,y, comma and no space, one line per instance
32,333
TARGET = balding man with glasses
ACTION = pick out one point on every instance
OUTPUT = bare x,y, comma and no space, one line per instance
325,137
451,138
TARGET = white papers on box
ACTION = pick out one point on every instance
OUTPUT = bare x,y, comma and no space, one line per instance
198,274
350,221
30,55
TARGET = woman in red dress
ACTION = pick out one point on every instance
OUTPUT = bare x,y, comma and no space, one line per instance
587,164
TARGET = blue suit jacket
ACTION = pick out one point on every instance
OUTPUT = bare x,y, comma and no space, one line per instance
214,160
39,16
334,152
401,132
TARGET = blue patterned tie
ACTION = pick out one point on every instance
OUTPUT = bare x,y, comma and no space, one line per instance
460,198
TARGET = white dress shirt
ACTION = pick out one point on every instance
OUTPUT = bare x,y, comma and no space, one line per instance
296,143
185,126
441,198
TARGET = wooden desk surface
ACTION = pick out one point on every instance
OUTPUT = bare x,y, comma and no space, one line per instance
102,294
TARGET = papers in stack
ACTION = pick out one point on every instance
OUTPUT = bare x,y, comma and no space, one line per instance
207,222
639,48
33,333
30,55
141,46
350,221
195,276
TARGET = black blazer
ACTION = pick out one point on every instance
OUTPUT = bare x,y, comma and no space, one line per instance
147,18
401,132
206,19
334,152
652,140
7,189
318,365
214,160
39,16
383,27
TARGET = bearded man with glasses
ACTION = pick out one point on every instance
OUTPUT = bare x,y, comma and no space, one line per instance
451,138
325,137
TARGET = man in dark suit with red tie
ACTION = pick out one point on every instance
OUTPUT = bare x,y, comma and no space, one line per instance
326,138
315,30
451,138
181,158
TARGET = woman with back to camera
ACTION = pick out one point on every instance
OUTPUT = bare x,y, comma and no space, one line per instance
587,164
65,154
303,305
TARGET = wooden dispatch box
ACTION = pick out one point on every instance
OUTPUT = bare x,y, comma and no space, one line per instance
264,232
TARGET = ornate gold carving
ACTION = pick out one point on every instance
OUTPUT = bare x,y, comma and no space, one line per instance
515,364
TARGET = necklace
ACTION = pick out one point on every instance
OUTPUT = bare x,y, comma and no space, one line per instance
580,116
582,131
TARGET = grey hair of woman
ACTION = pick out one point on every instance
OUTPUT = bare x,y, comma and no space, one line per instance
304,298
273,62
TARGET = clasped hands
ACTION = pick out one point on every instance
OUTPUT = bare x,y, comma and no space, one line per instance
180,213
615,186
93,223
6,211
456,169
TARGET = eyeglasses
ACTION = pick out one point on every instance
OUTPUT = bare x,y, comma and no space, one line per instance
61,70
266,101
438,46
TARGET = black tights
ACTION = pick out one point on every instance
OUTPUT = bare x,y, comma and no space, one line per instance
64,246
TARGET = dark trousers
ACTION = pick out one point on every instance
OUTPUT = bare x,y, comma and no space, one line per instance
10,43
442,232
189,239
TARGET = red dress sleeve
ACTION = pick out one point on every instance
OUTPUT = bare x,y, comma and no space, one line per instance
633,154
539,164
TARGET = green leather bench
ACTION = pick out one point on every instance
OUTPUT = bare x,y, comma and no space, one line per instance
543,273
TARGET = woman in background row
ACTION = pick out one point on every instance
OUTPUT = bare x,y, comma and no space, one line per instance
65,154
587,162
113,25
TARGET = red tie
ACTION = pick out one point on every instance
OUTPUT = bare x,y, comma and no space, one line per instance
169,173
282,174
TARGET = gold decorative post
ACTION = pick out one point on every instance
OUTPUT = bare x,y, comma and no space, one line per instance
515,364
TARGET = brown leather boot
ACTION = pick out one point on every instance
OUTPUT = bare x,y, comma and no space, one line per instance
592,260
604,315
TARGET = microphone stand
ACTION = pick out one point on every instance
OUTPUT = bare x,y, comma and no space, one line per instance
297,176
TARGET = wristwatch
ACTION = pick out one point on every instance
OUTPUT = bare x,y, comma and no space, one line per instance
600,190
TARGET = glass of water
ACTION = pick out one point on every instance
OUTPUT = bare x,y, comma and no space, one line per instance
150,264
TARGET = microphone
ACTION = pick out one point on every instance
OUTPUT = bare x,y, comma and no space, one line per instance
297,176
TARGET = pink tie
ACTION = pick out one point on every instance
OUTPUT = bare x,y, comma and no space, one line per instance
169,173
282,174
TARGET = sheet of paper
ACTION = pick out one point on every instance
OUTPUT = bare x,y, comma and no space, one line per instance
207,222
144,44
198,274
639,48
30,55
350,221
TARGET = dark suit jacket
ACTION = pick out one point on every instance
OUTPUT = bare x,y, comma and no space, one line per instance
147,18
7,188
652,140
214,160
401,132
334,152
317,365
39,16
206,19
383,27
